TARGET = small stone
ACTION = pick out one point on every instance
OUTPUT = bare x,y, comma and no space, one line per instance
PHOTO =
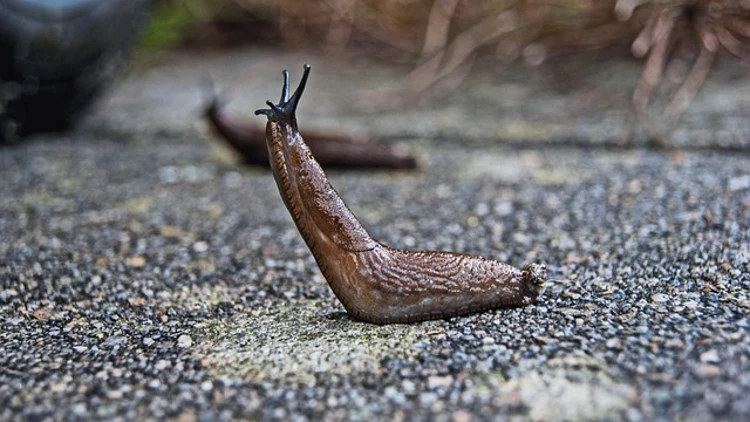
709,371
7,294
161,365
408,386
184,341
569,311
660,298
503,208
232,180
207,386
710,357
462,416
113,341
391,392
691,304
79,409
168,174
200,246
614,343
482,209
136,261
427,399
739,183
136,301
438,382
43,314
635,186
674,343
58,387
186,416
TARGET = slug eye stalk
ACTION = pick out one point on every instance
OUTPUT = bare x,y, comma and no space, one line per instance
285,111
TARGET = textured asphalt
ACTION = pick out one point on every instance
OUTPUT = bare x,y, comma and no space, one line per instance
146,275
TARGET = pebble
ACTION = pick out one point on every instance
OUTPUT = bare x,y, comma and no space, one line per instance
660,298
439,382
462,416
136,261
184,341
427,398
674,343
614,343
709,371
408,387
710,356
739,183
114,341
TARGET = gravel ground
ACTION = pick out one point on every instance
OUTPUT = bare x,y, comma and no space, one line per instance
143,275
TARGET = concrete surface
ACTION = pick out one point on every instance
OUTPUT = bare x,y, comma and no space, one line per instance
145,275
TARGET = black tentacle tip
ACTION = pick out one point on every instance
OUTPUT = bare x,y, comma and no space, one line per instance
285,110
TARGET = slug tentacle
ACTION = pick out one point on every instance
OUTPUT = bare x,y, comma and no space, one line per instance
374,282
285,111
285,87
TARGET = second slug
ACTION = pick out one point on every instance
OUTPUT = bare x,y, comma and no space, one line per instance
374,282
331,150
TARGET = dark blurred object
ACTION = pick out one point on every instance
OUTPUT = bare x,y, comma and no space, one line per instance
56,56
331,150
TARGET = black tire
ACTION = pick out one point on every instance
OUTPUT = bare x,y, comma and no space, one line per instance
54,59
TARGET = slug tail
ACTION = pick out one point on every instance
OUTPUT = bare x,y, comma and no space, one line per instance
534,277
285,111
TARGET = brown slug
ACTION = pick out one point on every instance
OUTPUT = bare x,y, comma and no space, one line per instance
331,150
374,282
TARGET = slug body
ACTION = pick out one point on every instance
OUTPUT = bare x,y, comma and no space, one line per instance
374,282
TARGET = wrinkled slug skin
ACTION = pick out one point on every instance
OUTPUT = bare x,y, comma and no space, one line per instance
374,282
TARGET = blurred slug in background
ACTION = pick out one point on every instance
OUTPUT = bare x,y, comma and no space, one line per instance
331,150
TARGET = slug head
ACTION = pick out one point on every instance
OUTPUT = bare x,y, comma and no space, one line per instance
284,112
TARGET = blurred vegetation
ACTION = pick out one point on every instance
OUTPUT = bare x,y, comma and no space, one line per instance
168,24
400,26
444,37
412,29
